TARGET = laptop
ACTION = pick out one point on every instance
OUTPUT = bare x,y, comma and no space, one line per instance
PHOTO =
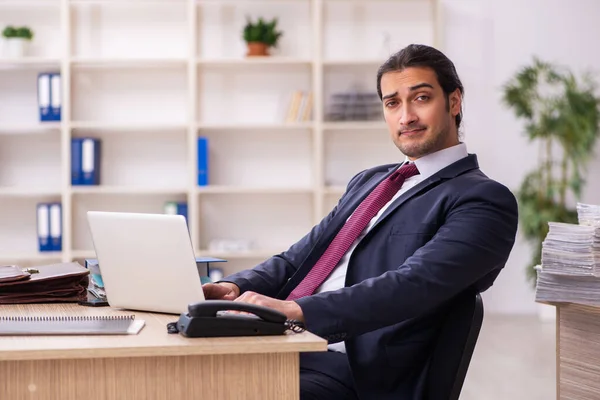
147,261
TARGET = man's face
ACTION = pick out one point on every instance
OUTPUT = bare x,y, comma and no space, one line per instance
418,117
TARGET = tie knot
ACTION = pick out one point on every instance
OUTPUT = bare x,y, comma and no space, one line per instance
408,170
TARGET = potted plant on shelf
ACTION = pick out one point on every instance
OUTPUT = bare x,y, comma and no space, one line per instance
17,40
562,115
260,36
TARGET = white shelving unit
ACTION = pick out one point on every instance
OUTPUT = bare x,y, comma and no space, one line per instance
148,77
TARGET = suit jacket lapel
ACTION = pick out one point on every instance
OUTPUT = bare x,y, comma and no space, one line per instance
461,166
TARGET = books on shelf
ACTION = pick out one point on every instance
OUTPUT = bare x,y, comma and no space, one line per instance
49,227
85,161
300,107
570,269
49,96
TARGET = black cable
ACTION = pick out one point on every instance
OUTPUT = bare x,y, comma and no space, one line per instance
295,325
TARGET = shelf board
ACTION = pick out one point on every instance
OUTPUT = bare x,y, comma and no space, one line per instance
232,255
121,127
223,189
21,129
235,2
29,3
353,62
34,256
108,63
128,2
125,190
267,60
354,125
250,126
29,63
28,192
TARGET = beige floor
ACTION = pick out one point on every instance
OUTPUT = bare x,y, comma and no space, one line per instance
514,360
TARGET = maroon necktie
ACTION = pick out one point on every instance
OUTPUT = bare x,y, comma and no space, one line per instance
359,220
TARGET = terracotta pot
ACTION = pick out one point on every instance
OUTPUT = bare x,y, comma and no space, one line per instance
257,49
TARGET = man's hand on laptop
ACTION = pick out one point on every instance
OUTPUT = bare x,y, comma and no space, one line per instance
221,291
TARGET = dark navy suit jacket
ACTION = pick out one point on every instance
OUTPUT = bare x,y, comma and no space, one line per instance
451,232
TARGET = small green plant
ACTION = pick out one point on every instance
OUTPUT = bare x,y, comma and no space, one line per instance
11,32
262,32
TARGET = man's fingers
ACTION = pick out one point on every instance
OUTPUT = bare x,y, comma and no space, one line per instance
212,291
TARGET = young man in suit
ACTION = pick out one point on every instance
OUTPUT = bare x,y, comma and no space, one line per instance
374,276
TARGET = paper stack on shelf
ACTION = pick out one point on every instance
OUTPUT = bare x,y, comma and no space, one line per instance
570,270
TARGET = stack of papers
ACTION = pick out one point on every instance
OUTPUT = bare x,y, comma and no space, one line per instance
572,249
570,270
556,288
588,214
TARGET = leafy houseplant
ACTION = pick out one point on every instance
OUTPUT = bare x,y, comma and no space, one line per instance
260,36
562,114
17,39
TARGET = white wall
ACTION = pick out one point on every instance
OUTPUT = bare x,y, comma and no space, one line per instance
489,40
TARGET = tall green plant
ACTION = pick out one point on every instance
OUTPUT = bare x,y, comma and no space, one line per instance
561,113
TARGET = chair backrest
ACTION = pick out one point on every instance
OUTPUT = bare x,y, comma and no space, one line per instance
454,348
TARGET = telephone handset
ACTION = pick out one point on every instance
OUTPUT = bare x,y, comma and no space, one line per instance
206,319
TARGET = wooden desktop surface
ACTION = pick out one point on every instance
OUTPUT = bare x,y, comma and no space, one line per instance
152,340
152,365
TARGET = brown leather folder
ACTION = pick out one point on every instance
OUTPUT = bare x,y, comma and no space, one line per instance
64,282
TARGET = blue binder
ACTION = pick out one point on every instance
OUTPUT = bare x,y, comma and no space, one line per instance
85,161
202,161
76,172
55,226
43,91
55,97
43,227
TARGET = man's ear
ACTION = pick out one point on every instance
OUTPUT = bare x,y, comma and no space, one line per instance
455,100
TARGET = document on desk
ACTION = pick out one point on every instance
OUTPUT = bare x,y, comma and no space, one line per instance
71,325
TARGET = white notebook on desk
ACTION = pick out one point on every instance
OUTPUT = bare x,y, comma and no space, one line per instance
71,325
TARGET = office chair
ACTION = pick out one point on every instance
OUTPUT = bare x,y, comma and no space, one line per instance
454,348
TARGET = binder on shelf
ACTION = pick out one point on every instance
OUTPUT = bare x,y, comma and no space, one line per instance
55,97
76,172
56,226
85,161
43,227
49,96
202,161
43,89
176,208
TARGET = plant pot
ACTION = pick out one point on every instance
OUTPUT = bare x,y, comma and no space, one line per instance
257,49
15,47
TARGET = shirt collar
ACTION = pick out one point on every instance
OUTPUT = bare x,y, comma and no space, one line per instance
434,162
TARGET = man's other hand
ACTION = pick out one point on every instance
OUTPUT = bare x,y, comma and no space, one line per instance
290,308
220,291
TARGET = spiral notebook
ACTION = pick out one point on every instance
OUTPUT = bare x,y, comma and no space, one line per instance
71,325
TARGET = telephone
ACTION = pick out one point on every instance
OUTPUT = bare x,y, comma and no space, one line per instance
207,319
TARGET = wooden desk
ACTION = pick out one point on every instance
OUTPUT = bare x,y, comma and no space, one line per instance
577,352
150,365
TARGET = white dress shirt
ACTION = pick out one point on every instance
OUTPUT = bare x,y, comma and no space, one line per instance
427,166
